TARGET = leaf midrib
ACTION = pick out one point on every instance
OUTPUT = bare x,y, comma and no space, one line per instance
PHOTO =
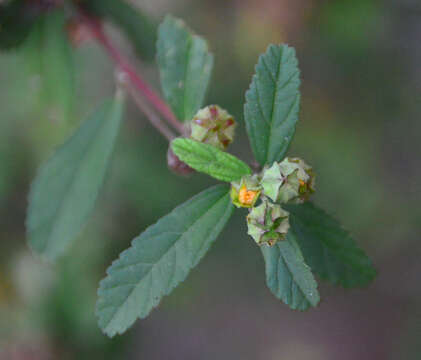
293,275
149,272
274,103
65,199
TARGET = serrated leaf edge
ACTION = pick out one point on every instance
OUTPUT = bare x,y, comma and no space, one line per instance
156,303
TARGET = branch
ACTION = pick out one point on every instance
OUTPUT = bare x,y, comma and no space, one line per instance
144,106
138,83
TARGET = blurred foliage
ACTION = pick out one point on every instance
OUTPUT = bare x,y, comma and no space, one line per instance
15,23
64,192
185,67
359,128
139,28
48,60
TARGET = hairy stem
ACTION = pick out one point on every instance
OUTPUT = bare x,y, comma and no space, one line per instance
136,80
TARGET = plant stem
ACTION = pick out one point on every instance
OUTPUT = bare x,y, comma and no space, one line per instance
144,106
96,29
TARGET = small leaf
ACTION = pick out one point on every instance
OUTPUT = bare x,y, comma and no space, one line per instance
328,249
137,26
64,192
288,276
160,258
57,66
185,66
272,104
210,160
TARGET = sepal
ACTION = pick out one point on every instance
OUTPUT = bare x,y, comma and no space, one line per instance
213,125
268,223
291,180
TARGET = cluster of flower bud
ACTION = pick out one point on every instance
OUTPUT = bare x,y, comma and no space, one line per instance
290,181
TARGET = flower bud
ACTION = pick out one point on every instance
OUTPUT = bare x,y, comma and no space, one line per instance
268,223
244,193
290,180
176,165
213,125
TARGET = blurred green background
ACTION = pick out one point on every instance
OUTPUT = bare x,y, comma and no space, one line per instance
360,129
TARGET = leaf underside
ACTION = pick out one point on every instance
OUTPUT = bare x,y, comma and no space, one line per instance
272,104
328,249
210,160
63,194
185,66
160,258
287,275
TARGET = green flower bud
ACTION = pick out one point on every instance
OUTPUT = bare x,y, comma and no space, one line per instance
244,193
268,223
213,125
290,180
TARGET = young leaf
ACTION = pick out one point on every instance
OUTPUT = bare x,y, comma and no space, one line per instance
160,258
288,276
138,27
210,160
272,104
328,249
64,192
58,67
185,66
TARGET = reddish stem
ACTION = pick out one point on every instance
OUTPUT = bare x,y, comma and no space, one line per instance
149,112
97,30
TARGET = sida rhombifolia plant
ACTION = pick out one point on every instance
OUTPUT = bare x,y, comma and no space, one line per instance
296,238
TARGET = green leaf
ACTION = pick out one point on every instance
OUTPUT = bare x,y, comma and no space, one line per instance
185,66
272,104
47,54
57,66
138,27
160,258
64,192
328,249
288,276
210,160
32,50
